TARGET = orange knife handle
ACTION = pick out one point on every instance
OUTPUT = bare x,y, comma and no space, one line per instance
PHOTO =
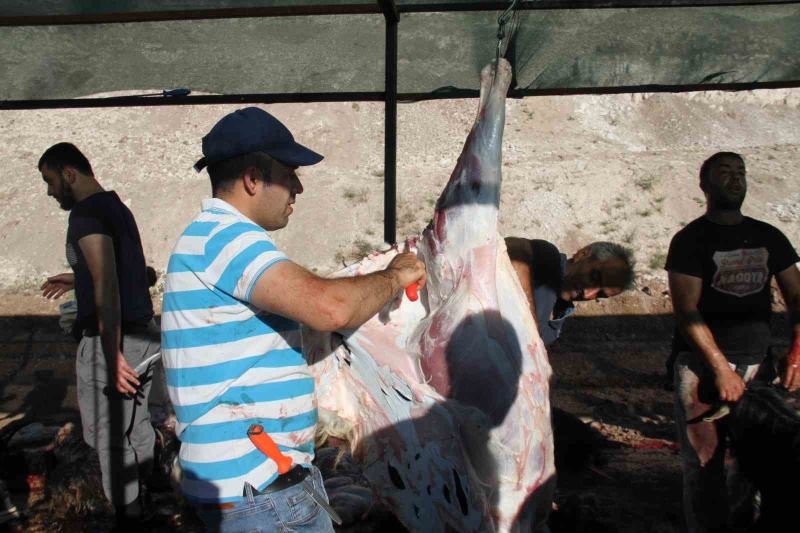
412,291
267,446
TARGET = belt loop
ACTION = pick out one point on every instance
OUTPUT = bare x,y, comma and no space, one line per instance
741,369
248,493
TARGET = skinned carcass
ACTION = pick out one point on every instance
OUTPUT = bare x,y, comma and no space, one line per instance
444,401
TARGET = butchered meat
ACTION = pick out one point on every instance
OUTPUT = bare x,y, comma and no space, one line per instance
444,401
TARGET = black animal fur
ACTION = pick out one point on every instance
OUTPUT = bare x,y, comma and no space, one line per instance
764,431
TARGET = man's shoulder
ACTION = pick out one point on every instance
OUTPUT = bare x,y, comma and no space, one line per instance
214,223
695,225
101,200
542,247
546,264
95,214
105,205
691,230
221,251
761,226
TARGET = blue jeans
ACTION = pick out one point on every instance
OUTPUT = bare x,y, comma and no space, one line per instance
287,511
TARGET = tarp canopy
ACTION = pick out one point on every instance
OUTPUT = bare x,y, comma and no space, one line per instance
67,49
54,52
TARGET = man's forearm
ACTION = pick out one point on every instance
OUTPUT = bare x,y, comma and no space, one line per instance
794,350
367,295
792,298
789,283
108,321
697,333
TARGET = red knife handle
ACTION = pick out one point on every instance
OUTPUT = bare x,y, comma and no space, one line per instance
267,446
412,291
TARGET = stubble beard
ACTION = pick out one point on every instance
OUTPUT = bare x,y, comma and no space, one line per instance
724,200
727,202
66,203
66,200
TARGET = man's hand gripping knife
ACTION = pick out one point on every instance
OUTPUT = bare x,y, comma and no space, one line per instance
412,291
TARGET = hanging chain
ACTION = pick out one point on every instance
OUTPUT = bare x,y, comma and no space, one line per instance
509,15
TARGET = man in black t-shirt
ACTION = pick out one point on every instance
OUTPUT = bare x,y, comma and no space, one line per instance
552,282
720,267
114,323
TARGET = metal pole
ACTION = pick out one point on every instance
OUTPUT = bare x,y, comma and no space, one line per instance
390,117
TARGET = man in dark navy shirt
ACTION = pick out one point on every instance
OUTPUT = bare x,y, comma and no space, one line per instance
552,282
720,267
114,323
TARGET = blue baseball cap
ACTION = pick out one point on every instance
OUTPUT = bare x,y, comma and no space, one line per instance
253,130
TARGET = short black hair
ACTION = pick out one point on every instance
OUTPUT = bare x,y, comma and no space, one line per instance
65,154
225,172
708,164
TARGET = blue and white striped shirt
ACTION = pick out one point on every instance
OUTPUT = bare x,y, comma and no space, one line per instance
228,364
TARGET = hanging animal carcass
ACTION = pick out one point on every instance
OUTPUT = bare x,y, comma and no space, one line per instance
444,401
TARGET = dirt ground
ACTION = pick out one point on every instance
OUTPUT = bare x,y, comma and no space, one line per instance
631,481
576,169
608,374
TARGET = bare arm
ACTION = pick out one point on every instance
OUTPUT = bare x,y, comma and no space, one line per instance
289,290
98,250
57,285
685,291
521,255
789,282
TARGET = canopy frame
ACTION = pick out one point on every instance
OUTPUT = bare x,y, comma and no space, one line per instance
391,12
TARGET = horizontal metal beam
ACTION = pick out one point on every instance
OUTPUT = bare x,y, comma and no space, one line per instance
444,94
452,93
193,14
142,101
359,9
581,4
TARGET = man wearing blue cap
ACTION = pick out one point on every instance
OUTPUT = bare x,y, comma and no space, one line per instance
231,336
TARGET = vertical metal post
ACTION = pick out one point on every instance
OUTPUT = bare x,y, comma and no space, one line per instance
392,17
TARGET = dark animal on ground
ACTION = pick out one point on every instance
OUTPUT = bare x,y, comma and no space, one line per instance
764,431
577,445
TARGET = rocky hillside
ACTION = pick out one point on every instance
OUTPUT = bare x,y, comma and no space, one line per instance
576,169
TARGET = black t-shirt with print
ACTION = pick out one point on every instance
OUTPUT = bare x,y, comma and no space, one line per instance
104,213
736,264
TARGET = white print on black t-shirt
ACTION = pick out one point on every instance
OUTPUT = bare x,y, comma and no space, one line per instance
72,257
741,272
